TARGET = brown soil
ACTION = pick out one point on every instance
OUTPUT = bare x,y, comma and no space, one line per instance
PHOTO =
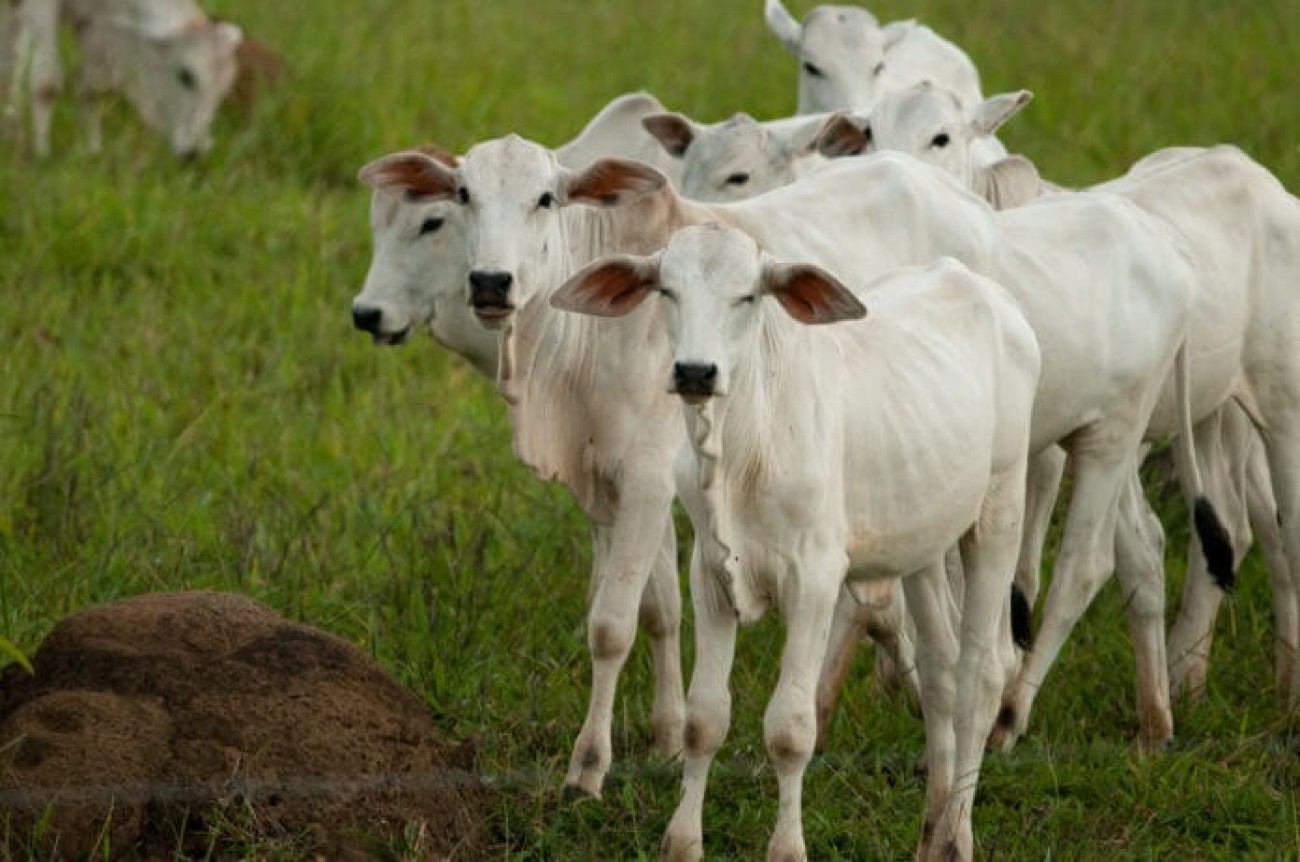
152,719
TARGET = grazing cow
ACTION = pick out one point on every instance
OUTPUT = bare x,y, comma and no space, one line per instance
815,455
167,57
847,60
1211,196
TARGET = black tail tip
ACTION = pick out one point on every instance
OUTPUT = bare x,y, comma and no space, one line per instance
1022,619
1215,544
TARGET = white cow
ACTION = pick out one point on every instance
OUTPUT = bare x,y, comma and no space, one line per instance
847,60
169,60
417,279
1211,195
815,456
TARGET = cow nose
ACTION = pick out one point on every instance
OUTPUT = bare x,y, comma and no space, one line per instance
366,318
695,378
489,287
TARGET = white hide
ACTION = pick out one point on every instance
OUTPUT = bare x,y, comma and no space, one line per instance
795,479
170,61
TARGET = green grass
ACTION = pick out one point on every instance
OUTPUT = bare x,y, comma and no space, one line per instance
183,404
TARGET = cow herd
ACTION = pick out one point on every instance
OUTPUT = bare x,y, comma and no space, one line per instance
862,346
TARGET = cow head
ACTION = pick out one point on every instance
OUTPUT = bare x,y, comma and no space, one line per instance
712,281
180,72
736,159
510,193
840,50
929,123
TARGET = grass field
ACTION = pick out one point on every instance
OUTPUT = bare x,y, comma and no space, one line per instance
183,403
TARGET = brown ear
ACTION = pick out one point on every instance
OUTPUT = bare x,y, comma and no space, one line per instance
674,131
840,137
810,294
413,174
610,182
438,154
610,287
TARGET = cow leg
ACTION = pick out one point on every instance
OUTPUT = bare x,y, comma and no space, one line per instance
1192,634
790,723
989,552
936,662
623,555
1283,446
46,71
661,620
1084,562
708,711
879,615
1262,508
1140,566
1044,483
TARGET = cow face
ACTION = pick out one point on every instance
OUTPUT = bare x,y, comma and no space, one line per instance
840,50
712,282
510,193
180,77
418,264
926,122
730,161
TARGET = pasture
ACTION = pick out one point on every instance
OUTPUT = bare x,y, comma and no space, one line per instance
184,404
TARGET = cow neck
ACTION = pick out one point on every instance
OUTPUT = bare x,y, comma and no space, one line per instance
733,445
549,373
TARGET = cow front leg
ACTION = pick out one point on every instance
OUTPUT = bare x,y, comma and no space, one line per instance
623,555
661,620
708,712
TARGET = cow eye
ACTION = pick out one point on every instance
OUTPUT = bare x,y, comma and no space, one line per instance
186,78
463,194
748,299
940,140
667,294
545,201
738,179
430,225
880,67
812,70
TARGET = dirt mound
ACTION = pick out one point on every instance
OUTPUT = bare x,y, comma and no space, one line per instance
152,719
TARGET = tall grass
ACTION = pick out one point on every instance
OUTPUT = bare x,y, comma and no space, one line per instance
183,404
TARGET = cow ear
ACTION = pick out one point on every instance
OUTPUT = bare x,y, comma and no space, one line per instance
810,294
996,110
229,35
609,287
1009,182
674,131
841,136
438,154
610,182
412,174
782,23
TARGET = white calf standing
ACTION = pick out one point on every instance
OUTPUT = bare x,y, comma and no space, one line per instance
862,450
170,61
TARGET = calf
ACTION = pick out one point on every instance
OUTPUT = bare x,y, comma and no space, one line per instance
167,57
818,454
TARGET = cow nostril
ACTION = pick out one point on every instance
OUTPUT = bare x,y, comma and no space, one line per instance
367,319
